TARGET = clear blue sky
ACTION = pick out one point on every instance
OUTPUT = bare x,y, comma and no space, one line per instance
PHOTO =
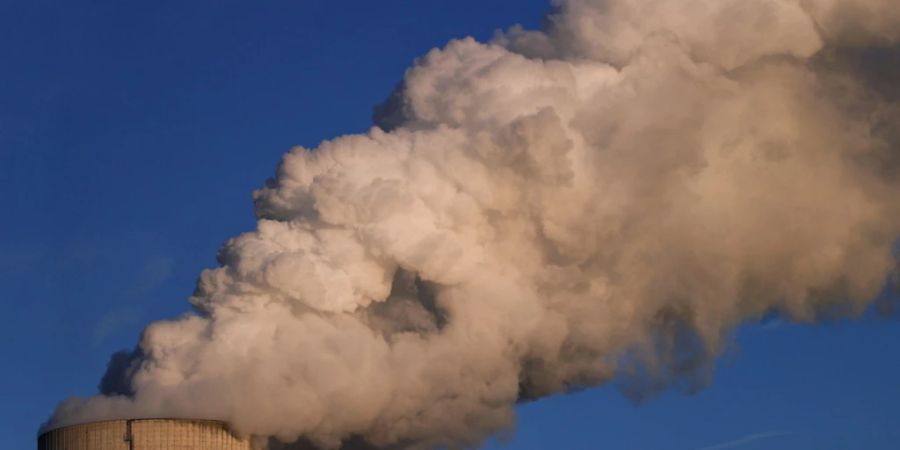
131,136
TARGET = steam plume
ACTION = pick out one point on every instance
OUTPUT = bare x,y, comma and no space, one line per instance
604,198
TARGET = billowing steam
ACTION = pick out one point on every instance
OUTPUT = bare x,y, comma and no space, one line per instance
603,199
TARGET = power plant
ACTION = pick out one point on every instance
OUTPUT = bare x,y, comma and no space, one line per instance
144,434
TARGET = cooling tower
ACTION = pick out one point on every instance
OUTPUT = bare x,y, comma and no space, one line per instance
143,434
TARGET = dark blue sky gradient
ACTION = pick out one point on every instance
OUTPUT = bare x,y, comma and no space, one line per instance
131,136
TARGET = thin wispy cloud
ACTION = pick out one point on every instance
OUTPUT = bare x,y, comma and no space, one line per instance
113,321
155,272
745,440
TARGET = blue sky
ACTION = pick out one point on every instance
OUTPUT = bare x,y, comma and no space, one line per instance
131,136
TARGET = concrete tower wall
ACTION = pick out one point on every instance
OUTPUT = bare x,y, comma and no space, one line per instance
143,434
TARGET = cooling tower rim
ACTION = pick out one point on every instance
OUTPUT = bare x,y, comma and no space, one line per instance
222,423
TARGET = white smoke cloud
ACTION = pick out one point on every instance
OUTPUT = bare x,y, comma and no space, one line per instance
605,198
